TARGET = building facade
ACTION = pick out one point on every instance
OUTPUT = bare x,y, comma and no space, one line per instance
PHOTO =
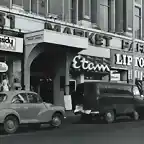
73,41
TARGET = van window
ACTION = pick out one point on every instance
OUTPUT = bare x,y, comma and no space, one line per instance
115,89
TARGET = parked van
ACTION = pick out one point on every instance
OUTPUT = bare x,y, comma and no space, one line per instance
109,100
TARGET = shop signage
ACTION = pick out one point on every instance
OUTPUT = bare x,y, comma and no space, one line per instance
127,60
93,38
7,42
80,62
127,45
3,67
7,17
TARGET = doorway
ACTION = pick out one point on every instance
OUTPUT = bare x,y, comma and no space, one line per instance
42,74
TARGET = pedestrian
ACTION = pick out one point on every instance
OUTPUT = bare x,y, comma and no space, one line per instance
5,83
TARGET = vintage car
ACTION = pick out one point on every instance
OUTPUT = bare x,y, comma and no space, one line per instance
26,107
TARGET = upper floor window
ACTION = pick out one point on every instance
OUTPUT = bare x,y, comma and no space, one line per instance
34,7
104,14
5,3
18,2
87,9
56,7
138,21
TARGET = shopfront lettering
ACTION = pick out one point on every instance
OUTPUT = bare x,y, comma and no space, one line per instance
127,45
127,60
81,63
93,38
3,19
6,40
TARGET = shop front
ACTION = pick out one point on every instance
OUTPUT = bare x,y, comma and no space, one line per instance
11,49
122,66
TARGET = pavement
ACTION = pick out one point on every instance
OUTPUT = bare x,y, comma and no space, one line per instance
124,131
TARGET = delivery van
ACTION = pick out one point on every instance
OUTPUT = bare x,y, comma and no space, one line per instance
108,100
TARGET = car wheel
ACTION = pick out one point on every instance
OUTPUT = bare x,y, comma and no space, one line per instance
135,116
57,119
11,124
109,116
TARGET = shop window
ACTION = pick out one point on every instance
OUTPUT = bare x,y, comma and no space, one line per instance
104,14
26,5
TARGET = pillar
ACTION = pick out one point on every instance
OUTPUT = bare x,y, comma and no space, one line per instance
26,76
67,74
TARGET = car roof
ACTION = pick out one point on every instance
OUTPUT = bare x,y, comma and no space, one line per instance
103,82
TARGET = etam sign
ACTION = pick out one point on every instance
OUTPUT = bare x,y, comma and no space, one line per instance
80,62
127,60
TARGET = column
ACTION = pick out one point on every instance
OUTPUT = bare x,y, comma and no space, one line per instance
67,75
26,77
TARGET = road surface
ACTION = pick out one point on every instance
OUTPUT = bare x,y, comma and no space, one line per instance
117,133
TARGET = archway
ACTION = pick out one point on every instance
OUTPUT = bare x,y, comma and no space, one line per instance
42,73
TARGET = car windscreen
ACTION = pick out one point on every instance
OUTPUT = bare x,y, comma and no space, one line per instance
3,97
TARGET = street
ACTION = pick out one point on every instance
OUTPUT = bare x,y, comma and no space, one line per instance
121,132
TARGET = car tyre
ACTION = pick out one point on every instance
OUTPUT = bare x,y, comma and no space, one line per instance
135,115
109,116
11,124
57,119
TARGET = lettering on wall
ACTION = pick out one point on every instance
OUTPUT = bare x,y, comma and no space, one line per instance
127,46
4,17
127,60
95,39
81,63
7,42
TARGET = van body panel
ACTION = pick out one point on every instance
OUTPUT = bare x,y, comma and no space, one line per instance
103,96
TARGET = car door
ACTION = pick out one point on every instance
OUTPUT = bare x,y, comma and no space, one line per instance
20,105
38,109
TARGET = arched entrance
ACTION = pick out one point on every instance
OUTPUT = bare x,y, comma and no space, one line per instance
42,73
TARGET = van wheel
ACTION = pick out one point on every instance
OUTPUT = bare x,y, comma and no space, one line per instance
11,124
135,115
109,116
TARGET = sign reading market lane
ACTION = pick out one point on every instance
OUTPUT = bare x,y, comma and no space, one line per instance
95,39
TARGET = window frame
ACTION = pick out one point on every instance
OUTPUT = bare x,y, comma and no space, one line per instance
109,14
139,6
15,5
37,98
17,96
85,16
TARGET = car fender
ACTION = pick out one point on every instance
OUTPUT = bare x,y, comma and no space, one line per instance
5,112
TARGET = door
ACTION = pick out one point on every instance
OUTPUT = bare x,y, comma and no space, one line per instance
38,109
21,106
